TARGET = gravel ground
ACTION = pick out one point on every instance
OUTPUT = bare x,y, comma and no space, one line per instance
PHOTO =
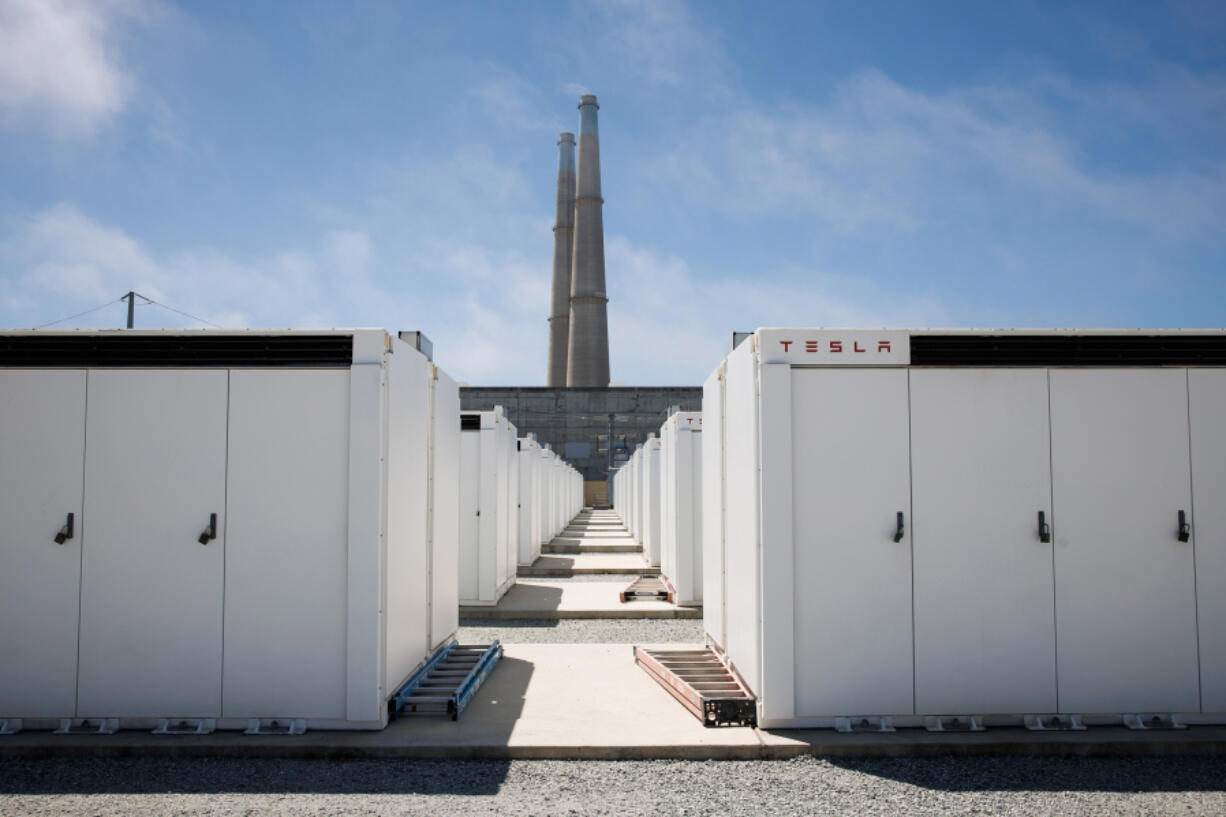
998,786
581,631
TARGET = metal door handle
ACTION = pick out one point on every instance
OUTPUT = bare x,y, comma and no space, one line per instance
1044,528
211,531
1184,531
899,530
65,533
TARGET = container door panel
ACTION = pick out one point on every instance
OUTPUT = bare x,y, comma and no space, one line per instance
497,439
470,519
544,487
1125,587
852,581
712,531
981,472
42,454
651,505
446,492
287,537
513,503
1207,392
151,593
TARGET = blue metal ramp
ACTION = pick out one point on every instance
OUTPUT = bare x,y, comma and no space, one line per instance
448,681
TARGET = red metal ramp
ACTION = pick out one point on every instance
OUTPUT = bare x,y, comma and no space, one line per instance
703,682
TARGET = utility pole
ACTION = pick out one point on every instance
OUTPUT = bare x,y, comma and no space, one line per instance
131,299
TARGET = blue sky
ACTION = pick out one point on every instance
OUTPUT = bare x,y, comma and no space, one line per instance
392,164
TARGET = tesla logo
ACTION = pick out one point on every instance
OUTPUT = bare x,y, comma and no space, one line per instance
835,347
838,347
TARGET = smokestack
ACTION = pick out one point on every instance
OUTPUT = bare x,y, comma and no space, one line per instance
563,244
588,355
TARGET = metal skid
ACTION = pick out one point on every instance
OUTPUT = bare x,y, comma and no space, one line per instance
448,681
704,684
648,588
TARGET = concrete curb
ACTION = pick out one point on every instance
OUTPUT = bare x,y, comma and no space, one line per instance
1112,742
537,572
493,613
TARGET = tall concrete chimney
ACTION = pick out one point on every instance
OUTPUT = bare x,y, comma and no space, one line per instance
588,356
563,245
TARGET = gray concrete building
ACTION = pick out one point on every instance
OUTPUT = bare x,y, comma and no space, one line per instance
575,422
563,247
588,351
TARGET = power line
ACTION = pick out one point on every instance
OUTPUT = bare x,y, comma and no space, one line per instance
180,312
81,314
147,302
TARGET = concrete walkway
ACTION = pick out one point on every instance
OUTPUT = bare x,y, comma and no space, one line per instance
549,595
559,598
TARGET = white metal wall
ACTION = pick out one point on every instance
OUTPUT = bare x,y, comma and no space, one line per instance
471,552
1126,616
848,487
977,542
667,500
651,501
715,605
511,440
529,458
546,500
42,460
742,601
1207,407
151,594
285,652
489,553
445,511
680,502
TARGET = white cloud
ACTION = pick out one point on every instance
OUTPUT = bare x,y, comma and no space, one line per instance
669,324
879,153
61,65
483,308
66,261
509,100
662,43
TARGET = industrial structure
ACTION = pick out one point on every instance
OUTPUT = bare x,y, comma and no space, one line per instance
578,316
578,423
563,245
594,425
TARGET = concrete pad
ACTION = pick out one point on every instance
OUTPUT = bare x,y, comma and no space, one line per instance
591,546
584,563
590,701
602,533
563,599
597,541
541,701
